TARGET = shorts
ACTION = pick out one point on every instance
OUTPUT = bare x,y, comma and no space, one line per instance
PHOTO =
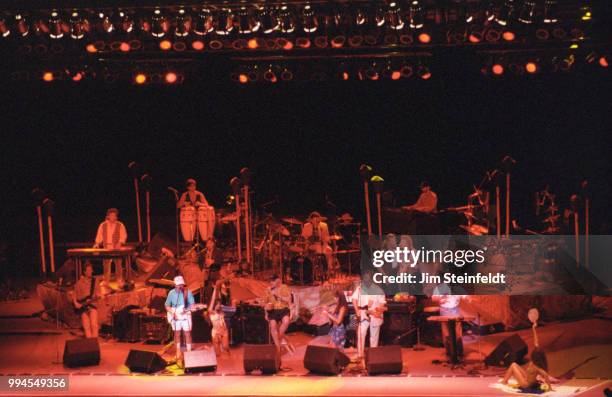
278,314
181,325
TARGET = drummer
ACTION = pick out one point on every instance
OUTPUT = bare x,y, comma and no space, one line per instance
316,232
192,197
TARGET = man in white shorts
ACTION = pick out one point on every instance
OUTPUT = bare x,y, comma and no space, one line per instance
178,303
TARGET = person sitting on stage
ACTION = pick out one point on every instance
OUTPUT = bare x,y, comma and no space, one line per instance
277,300
338,330
315,231
427,202
111,235
219,332
370,304
192,196
528,376
178,303
86,291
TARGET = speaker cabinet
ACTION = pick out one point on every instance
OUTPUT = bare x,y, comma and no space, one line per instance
81,352
261,357
325,360
384,360
512,349
200,361
256,329
144,361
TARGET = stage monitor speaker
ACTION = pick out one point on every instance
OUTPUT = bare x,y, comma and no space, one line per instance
164,269
261,357
81,352
510,350
384,360
325,360
256,329
158,242
144,361
200,361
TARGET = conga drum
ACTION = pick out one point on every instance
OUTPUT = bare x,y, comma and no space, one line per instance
188,222
206,222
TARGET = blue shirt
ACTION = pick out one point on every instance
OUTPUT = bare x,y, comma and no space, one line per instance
176,299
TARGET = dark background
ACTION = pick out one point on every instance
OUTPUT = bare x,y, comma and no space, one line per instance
302,141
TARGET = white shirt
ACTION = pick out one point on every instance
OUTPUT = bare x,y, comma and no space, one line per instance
371,301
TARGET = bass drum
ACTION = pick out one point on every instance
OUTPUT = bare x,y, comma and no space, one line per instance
206,222
300,269
188,222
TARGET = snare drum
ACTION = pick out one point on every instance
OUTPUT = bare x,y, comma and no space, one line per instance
188,222
206,222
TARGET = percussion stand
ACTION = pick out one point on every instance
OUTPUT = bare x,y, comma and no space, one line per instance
176,218
48,204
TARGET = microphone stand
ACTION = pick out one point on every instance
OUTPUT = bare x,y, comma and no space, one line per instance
41,236
176,218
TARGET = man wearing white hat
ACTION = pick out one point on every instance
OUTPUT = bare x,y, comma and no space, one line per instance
178,305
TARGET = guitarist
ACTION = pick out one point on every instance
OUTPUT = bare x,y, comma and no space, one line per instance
178,303
370,305
85,292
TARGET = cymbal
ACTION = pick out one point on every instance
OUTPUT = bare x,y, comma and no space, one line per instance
336,237
292,221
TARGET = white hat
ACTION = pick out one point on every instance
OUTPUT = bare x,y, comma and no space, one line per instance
179,280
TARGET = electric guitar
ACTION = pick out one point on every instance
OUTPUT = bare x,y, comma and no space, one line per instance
86,305
180,313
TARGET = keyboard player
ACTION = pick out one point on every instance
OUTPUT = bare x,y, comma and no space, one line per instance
112,235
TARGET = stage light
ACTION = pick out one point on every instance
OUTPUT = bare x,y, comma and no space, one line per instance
603,61
550,11
243,78
247,23
78,76
270,76
287,22
303,42
310,22
223,21
475,34
78,26
508,35
56,30
338,41
286,75
22,25
527,12
48,77
252,44
470,11
497,69
285,44
91,48
424,38
423,72
203,22
505,12
406,70
416,18
490,11
531,67
542,34
197,45
140,78
165,45
345,76
5,30
171,78
105,23
361,17
125,22
159,24
124,47
182,24
394,16
269,20
396,75
587,14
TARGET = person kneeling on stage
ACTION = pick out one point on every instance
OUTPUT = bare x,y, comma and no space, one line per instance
527,376
85,292
219,332
111,235
178,303
370,305
278,299
338,330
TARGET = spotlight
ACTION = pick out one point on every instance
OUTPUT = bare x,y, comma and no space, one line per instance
270,76
5,30
78,26
171,77
371,73
603,61
203,22
159,24
470,11
527,12
394,16
492,35
140,78
360,17
22,25
247,23
48,77
269,20
91,48
505,13
165,45
224,21
309,19
490,11
126,23
475,34
78,76
406,70
497,69
424,38
415,15
124,47
286,75
550,11
105,23
243,78
56,30
287,23
182,24
423,72
531,67
508,35
197,45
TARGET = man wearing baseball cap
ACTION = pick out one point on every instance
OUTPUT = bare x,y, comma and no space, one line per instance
178,303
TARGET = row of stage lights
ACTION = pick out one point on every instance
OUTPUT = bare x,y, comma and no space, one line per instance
309,19
362,70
